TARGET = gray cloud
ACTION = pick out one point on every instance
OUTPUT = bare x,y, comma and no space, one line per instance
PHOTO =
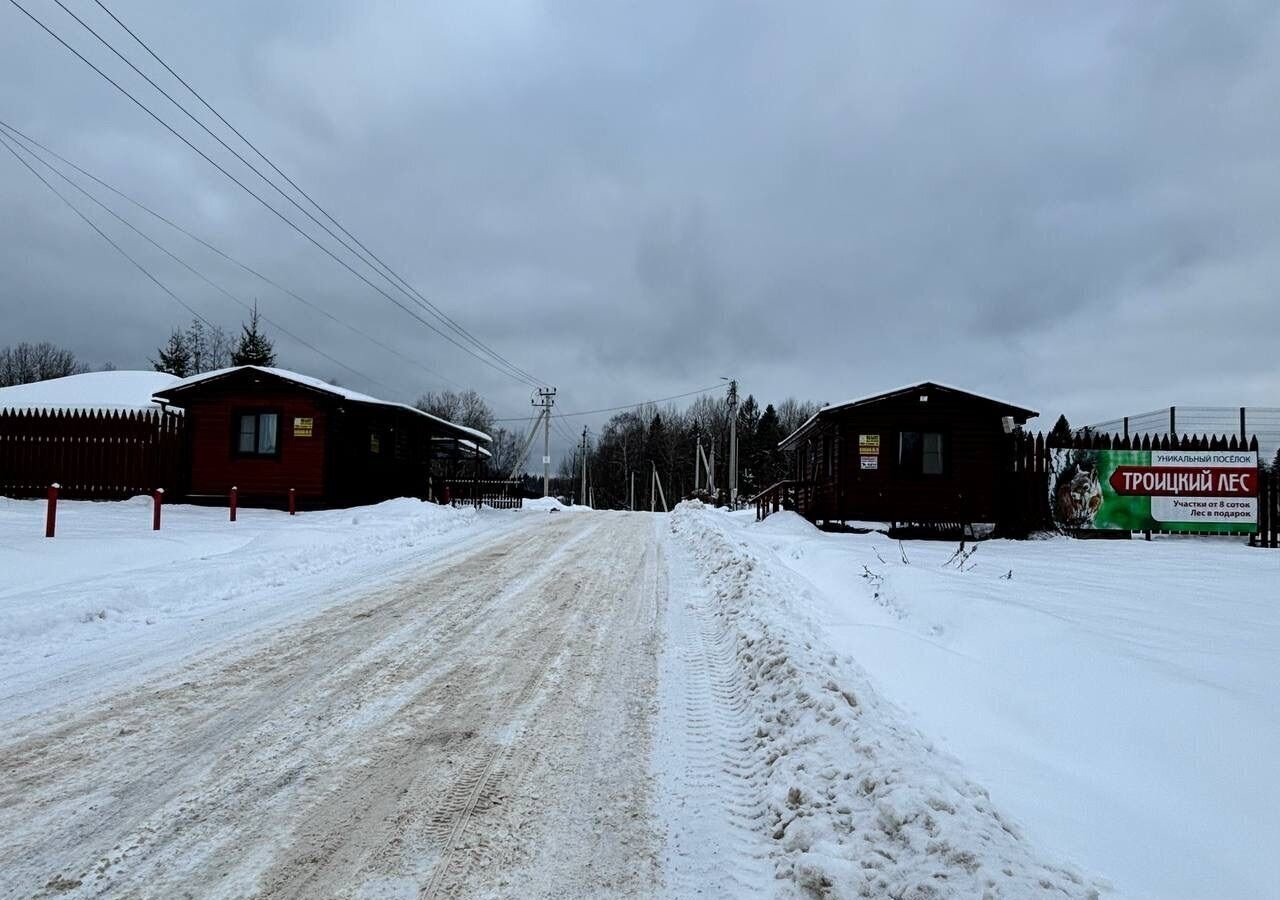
1072,206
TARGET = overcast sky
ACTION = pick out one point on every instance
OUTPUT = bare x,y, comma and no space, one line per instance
1071,206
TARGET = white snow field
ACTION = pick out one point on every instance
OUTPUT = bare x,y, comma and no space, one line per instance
826,780
108,598
1119,700
406,700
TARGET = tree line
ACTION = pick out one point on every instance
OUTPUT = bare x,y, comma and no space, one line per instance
648,439
204,347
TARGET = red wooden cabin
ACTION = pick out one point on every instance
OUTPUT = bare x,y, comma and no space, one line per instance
266,431
923,454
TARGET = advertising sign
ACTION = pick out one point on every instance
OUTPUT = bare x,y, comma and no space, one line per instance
870,462
1155,490
303,426
869,444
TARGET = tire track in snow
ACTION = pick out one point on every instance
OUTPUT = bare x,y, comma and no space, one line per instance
706,754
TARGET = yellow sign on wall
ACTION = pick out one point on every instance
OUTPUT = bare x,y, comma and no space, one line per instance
869,445
302,426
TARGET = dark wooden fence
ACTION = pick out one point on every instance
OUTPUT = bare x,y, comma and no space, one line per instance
1268,511
499,494
1025,494
93,455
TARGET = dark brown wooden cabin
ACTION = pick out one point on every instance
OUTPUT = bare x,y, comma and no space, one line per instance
926,454
266,431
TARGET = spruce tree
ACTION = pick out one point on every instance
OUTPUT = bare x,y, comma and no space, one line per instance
254,348
174,357
769,463
1061,434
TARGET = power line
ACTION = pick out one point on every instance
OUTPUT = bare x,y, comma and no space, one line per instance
439,312
104,236
194,271
6,141
20,135
592,412
252,193
235,153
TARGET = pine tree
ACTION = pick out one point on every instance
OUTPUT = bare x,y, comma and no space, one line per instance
748,422
1061,434
768,462
255,348
174,357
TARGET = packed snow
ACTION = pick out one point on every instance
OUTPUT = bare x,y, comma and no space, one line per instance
119,390
551,504
108,599
855,800
1118,699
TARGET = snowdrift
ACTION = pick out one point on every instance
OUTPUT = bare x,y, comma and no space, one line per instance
858,802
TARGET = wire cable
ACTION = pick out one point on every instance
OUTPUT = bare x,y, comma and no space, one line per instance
253,193
270,183
592,412
387,269
27,139
139,266
194,271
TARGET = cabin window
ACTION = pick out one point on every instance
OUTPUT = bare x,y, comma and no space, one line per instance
828,457
257,434
921,452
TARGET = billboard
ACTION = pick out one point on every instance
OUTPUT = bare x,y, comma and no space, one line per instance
1212,491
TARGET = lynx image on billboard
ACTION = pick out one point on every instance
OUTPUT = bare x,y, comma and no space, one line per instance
1214,491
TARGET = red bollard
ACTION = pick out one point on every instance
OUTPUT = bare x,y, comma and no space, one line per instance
293,502
158,496
234,492
51,515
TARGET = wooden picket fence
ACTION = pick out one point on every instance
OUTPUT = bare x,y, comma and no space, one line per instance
1025,497
92,454
500,494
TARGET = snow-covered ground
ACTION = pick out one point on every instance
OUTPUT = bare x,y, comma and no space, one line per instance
108,599
1118,699
853,800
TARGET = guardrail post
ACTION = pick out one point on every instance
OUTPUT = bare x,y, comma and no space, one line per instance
51,514
293,502
158,498
234,497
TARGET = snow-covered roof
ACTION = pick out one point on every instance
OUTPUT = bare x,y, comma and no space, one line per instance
118,390
316,385
471,447
858,401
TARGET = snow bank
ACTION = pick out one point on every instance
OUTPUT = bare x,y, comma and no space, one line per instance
549,503
858,802
1116,697
122,390
108,595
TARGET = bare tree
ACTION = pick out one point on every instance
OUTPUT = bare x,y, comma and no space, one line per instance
466,408
25,362
793,413
209,345
506,445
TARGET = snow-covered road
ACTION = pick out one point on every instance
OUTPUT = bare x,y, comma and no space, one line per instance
445,703
479,727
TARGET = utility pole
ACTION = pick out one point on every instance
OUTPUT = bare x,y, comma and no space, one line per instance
584,465
733,443
546,400
657,483
633,491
